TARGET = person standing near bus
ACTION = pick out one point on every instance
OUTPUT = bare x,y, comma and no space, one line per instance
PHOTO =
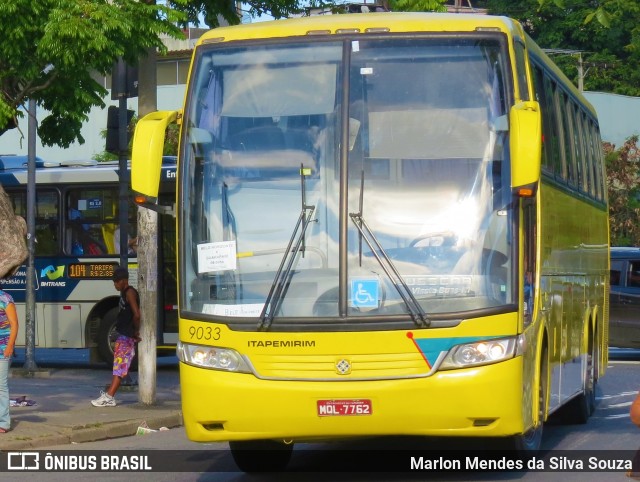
8,334
128,334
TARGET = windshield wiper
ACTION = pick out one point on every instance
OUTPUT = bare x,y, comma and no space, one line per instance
418,315
284,274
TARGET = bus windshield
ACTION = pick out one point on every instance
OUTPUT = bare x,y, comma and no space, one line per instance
347,179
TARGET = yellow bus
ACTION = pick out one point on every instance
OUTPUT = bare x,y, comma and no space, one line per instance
388,224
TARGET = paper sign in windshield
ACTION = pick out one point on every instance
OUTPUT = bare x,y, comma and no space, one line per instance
216,256
246,310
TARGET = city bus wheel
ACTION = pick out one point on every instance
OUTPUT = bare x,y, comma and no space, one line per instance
261,455
105,335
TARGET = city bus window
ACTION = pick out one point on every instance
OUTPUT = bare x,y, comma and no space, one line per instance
615,272
47,222
633,275
91,227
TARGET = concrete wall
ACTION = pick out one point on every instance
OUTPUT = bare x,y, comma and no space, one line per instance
619,115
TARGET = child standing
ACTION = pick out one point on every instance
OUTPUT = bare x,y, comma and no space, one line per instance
128,330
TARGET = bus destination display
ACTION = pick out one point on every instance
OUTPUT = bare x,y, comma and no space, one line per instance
91,270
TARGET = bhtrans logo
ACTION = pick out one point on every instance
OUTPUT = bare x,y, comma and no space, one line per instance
51,276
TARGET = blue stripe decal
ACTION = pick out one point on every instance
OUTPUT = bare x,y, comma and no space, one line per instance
432,347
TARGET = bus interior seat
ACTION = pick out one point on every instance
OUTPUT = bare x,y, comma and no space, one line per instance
108,234
81,242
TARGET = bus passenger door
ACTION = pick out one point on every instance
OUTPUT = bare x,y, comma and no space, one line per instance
21,341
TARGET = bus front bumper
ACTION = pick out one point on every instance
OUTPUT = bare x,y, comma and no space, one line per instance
481,401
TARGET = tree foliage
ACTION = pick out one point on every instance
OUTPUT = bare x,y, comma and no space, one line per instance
623,173
215,12
417,5
51,48
607,32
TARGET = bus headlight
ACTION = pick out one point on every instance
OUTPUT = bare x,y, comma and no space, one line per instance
212,357
482,352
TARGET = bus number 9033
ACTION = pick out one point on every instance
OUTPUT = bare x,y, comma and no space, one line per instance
204,333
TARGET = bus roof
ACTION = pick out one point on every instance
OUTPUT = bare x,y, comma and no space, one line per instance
12,161
14,171
362,23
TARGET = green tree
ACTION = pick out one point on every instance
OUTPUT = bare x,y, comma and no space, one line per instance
51,48
417,5
606,32
213,12
624,192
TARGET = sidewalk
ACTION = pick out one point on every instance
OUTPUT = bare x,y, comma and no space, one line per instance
63,413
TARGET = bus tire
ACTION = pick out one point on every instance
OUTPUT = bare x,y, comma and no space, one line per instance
105,331
532,439
261,455
582,407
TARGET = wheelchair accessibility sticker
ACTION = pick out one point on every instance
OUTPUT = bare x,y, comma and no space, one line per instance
365,293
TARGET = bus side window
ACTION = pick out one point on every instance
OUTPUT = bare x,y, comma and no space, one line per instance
83,237
47,223
85,240
46,240
633,275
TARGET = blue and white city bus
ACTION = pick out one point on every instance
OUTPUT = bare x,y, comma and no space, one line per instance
76,249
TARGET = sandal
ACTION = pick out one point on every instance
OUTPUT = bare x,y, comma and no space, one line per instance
3,430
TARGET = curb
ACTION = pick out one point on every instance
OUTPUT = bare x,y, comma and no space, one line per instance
93,434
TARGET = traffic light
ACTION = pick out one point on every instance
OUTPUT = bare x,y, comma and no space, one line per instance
124,80
113,129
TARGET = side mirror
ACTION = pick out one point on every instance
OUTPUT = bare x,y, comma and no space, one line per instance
146,155
525,138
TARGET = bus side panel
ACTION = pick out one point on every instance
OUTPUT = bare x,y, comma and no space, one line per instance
574,279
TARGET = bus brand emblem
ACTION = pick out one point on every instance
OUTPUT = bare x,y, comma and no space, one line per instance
343,367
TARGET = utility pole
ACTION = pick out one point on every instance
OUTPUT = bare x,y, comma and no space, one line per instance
148,262
30,322
580,73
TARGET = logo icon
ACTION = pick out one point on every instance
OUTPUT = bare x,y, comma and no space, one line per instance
365,293
23,461
52,273
343,367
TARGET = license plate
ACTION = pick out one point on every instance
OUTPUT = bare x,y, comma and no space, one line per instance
328,408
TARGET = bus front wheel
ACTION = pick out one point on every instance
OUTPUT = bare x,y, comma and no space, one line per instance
261,455
105,335
578,410
529,441
532,439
